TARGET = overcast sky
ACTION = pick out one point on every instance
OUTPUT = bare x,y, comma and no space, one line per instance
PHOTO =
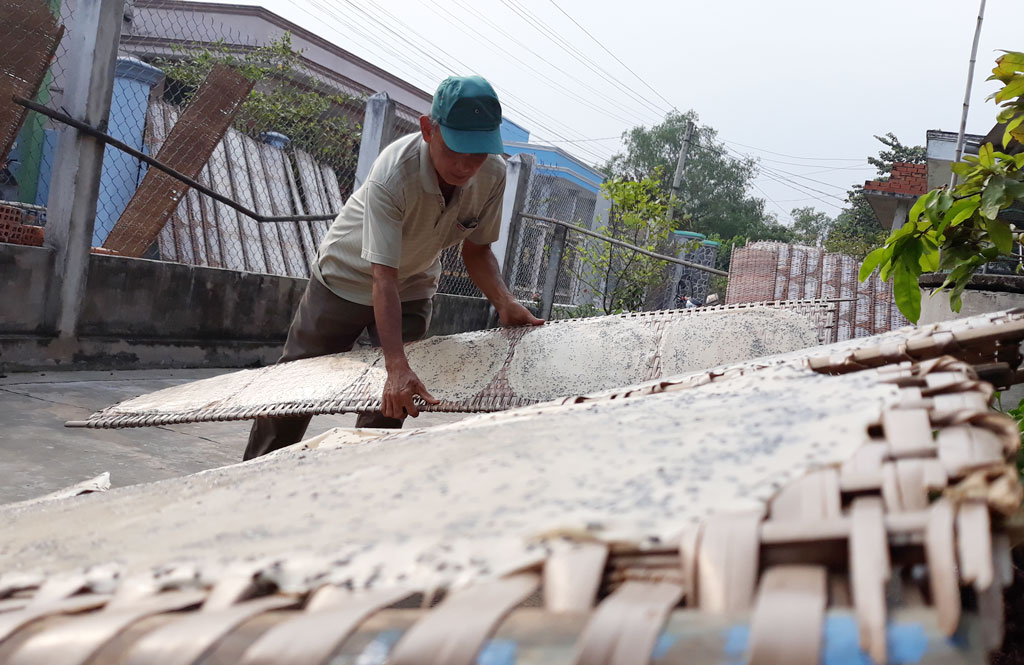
802,84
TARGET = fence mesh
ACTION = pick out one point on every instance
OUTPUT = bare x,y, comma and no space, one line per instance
286,148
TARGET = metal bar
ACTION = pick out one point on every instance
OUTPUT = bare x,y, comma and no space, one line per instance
588,232
110,140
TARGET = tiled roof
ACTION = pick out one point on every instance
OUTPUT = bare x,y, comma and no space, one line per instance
907,178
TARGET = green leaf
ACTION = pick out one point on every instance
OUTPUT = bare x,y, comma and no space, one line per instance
929,260
886,270
918,207
1010,126
1014,88
962,210
906,291
963,169
985,157
1000,235
992,197
955,301
872,260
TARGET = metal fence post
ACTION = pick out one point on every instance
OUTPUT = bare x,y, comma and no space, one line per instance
378,127
517,186
547,299
74,189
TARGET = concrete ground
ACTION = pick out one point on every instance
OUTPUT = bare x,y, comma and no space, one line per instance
38,455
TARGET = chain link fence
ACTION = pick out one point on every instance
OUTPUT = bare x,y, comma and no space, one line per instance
251,119
557,197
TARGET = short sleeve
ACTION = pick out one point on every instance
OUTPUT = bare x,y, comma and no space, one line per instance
382,226
489,228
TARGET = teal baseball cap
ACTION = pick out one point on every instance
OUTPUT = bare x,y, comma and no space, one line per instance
468,111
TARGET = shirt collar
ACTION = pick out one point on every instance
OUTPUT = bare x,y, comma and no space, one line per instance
428,176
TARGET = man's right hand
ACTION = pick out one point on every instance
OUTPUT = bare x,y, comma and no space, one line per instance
399,389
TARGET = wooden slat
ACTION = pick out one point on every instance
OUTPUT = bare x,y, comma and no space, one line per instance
974,544
275,164
454,631
188,147
625,627
312,185
572,575
940,553
182,233
812,497
269,233
786,626
238,170
964,448
909,432
156,134
30,36
869,570
310,241
232,247
727,563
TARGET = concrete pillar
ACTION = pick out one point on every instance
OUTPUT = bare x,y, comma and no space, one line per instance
92,52
899,218
517,183
555,252
122,173
378,126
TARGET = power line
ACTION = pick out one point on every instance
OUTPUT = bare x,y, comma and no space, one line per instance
596,41
512,39
803,189
410,63
445,66
779,173
559,41
758,187
550,82
781,154
603,138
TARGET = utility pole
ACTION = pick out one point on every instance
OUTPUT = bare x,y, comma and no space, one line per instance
677,179
967,95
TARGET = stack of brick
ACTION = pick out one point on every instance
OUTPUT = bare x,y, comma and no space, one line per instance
908,179
13,229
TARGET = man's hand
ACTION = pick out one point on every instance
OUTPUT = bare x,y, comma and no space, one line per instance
515,314
399,389
483,270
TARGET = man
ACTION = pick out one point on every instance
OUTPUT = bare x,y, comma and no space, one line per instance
378,266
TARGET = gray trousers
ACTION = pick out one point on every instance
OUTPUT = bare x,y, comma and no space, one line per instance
326,324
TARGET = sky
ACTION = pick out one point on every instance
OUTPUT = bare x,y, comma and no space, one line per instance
802,85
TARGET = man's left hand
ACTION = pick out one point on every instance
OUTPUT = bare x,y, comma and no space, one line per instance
514,314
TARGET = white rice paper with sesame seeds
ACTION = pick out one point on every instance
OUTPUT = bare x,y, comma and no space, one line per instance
475,499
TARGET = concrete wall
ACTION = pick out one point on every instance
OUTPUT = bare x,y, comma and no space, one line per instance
935,309
24,276
140,314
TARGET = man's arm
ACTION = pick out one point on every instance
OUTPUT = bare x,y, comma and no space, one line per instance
402,383
483,270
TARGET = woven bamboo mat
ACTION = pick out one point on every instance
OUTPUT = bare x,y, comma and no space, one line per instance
775,499
493,370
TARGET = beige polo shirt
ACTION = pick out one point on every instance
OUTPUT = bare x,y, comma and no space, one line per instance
398,218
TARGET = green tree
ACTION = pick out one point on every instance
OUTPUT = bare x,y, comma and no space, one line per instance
897,152
621,277
713,196
810,226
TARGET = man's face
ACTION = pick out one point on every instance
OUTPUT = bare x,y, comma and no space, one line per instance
454,168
